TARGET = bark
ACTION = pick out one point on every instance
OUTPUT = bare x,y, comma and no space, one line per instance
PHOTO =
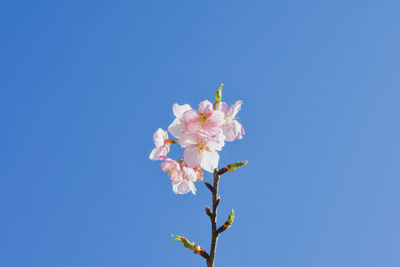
213,217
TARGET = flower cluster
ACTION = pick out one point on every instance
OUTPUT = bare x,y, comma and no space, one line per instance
202,133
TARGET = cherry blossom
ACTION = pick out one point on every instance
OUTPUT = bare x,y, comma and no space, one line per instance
201,149
177,127
202,133
182,177
205,118
231,128
160,138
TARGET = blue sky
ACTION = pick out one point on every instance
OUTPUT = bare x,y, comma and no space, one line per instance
85,84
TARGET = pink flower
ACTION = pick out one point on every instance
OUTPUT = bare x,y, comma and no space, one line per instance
201,149
182,177
206,119
160,138
177,127
197,170
231,128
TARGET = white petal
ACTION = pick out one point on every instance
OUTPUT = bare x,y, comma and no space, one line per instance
159,136
209,161
176,128
181,187
193,127
205,106
216,143
169,164
190,174
157,152
222,106
192,156
217,118
233,110
190,115
187,140
229,133
236,127
180,109
192,188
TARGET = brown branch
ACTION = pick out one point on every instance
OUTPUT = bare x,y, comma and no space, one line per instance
209,186
213,217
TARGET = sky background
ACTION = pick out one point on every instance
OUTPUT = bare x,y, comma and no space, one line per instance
84,84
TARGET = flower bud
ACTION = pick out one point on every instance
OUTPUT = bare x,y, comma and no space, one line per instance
218,96
228,222
190,245
208,211
232,167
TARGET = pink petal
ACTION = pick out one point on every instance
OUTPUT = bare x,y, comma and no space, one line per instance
191,116
187,140
217,118
169,164
210,131
229,133
205,106
192,156
222,106
193,127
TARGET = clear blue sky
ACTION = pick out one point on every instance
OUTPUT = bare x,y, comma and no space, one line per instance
84,85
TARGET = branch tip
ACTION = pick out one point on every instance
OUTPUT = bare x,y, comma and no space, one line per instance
209,186
208,211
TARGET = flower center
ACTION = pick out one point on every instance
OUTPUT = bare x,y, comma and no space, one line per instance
203,117
170,172
202,146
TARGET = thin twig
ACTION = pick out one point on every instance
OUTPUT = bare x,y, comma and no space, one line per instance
209,186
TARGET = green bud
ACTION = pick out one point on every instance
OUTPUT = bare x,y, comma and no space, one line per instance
232,167
218,96
237,165
228,222
190,245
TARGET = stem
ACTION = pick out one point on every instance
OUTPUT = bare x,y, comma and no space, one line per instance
213,217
